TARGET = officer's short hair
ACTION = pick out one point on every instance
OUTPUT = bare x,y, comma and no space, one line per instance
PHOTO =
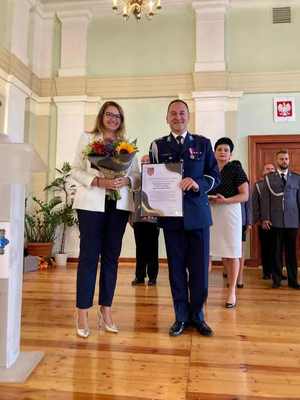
282,151
178,101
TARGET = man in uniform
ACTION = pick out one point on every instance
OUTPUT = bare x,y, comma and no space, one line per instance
265,235
187,237
281,212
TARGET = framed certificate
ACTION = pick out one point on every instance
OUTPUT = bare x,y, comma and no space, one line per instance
161,194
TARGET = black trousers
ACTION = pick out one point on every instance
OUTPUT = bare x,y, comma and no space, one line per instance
285,239
146,241
101,234
267,250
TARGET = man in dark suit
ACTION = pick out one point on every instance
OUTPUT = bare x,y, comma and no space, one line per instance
187,237
281,212
265,235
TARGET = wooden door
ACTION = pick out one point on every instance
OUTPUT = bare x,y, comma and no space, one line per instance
262,150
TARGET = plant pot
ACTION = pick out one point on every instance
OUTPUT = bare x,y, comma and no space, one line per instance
61,259
40,249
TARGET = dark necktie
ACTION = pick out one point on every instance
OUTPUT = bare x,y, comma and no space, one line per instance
180,140
283,179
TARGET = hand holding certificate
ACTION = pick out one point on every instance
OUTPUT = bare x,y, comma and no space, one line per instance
161,191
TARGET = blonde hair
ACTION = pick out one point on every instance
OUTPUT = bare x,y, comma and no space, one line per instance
99,127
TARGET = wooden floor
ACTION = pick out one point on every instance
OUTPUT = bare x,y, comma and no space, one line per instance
255,353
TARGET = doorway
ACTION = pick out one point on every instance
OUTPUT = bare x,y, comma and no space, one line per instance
262,150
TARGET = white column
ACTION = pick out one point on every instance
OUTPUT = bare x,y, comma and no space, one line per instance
210,34
71,113
74,42
42,42
11,281
210,113
16,94
20,29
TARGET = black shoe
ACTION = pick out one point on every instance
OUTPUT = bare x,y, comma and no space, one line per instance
177,328
203,328
137,282
151,282
295,286
283,277
276,285
266,277
240,285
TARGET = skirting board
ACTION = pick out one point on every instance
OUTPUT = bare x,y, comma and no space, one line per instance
22,368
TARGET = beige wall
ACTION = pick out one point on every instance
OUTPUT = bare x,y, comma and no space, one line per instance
163,46
255,44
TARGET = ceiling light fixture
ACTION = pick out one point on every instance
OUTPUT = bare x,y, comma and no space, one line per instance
138,8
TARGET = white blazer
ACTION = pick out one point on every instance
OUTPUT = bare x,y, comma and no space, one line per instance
92,198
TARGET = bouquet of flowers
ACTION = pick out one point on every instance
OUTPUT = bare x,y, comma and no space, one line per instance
111,159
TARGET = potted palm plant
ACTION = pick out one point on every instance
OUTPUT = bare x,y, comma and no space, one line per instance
63,189
40,225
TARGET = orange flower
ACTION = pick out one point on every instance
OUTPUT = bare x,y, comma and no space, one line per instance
124,147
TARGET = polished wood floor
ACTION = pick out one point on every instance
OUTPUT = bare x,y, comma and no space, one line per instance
254,355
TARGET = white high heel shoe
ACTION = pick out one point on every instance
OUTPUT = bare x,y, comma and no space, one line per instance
109,328
81,332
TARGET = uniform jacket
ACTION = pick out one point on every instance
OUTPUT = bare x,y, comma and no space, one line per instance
199,163
256,201
282,205
92,198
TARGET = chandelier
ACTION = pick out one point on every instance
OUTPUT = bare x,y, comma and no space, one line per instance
137,8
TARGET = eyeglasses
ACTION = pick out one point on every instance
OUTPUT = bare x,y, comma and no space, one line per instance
112,115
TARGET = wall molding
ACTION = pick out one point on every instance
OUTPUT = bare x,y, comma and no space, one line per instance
100,8
150,86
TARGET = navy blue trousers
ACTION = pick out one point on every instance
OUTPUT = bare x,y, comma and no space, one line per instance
188,258
101,234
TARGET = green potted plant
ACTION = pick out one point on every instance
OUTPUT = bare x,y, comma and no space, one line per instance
40,225
63,189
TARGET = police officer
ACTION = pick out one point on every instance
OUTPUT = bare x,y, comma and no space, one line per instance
281,212
187,237
265,235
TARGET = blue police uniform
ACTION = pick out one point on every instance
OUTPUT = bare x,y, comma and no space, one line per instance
187,237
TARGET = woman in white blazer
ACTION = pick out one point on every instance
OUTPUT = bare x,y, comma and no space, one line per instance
102,221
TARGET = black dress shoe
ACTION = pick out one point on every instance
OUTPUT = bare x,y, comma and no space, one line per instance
240,285
295,286
137,282
177,328
266,277
276,285
151,282
203,328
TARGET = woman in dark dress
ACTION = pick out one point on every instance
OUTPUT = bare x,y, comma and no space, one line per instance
226,232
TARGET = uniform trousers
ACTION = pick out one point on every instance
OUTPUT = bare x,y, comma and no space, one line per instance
146,241
101,234
188,258
285,239
266,238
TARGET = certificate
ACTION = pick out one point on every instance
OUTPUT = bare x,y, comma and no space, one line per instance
161,194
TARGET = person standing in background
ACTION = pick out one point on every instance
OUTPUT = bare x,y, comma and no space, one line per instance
146,232
265,235
281,213
226,232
